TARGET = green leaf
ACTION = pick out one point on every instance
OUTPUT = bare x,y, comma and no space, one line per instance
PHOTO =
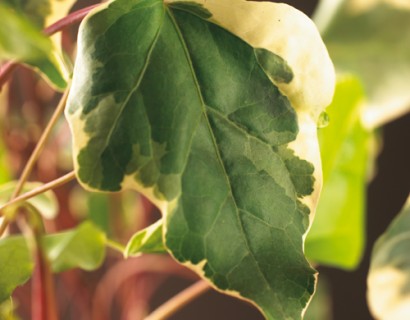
372,39
45,203
193,114
148,240
7,309
337,234
35,10
15,265
20,40
389,275
83,247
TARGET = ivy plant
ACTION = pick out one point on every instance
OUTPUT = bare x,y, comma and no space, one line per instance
209,109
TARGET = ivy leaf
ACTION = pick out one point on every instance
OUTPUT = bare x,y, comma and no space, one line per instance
372,39
20,40
148,240
337,234
389,275
197,106
16,265
45,203
83,247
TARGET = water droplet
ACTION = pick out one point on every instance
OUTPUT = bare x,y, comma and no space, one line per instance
323,121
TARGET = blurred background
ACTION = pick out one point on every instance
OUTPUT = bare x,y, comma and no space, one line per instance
363,50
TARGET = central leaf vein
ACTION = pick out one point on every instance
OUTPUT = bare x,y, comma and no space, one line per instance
215,144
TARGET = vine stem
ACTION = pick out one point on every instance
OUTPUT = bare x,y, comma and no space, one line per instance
179,301
74,17
40,145
69,20
126,270
35,154
45,187
43,302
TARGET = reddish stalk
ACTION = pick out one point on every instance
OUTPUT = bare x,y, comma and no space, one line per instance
125,270
179,301
43,306
75,17
69,20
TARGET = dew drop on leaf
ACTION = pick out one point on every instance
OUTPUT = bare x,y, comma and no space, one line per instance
323,120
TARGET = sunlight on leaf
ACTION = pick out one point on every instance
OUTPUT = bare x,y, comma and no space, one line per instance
389,275
215,122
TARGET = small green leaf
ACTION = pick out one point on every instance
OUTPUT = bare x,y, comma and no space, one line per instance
83,247
202,115
15,265
20,40
337,234
45,203
148,240
389,275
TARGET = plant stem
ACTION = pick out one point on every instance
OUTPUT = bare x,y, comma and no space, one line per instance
35,154
126,270
69,20
40,145
115,245
45,187
43,296
180,300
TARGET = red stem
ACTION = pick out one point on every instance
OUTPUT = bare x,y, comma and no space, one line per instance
123,271
74,17
43,306
69,20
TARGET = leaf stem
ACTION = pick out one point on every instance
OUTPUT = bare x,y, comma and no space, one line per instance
35,154
48,186
43,296
69,20
179,301
40,145
115,245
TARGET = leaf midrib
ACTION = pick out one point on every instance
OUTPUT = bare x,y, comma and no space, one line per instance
216,148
